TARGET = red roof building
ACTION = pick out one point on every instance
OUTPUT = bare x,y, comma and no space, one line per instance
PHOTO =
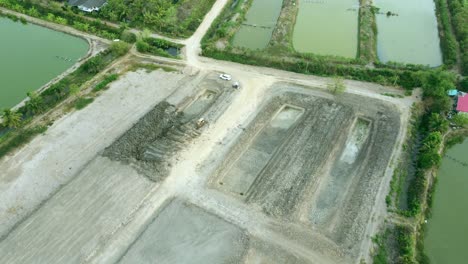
462,103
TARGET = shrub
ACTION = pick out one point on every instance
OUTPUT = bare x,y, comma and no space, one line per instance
81,102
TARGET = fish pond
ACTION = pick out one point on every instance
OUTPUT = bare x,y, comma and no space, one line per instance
260,21
327,27
407,32
31,56
446,239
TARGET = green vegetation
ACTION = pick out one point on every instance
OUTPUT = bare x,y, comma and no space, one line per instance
149,67
405,168
158,47
460,120
11,119
119,48
336,86
53,12
10,141
381,255
459,12
367,32
175,18
395,244
448,42
103,84
82,102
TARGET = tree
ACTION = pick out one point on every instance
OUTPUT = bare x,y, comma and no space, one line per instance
119,48
11,118
35,104
437,123
336,86
461,119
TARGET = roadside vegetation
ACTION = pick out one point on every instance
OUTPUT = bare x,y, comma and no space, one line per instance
158,47
18,126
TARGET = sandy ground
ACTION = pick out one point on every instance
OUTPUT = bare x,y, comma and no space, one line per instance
35,172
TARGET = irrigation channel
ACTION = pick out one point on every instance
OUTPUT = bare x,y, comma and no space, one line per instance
261,18
447,231
31,56
409,33
327,27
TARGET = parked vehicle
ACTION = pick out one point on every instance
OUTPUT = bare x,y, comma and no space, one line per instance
225,77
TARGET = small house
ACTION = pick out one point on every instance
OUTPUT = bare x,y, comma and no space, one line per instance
87,5
462,103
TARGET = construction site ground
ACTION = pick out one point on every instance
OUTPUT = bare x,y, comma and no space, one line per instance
279,171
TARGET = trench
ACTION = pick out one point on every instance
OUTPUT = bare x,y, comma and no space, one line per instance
248,166
333,192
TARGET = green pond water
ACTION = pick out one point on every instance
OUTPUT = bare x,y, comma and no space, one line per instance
260,21
411,36
327,27
446,240
31,56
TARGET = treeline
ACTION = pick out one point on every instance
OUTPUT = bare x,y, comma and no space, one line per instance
63,16
405,78
12,129
459,12
159,47
448,43
432,128
173,17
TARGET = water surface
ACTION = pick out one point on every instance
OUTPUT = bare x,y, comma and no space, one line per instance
446,239
327,27
260,20
411,36
31,56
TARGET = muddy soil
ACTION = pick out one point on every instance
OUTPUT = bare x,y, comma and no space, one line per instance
324,174
185,233
156,138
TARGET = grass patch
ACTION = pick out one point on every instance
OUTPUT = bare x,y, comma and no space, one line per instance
103,84
18,138
149,67
82,102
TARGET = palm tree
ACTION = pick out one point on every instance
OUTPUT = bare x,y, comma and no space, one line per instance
35,103
11,119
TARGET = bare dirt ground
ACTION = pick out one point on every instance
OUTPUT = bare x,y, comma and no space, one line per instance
106,184
77,200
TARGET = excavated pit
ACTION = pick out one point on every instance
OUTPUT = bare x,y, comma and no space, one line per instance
321,168
157,137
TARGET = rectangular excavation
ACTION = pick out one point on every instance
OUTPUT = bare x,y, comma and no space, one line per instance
321,168
335,186
247,167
